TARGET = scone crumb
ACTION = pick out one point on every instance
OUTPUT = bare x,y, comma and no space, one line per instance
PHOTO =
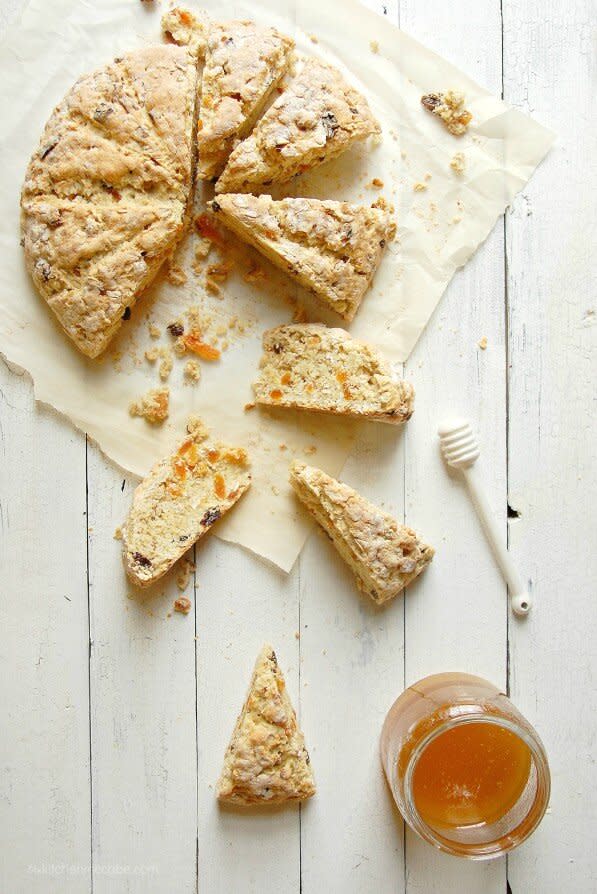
179,346
283,446
310,450
175,275
192,371
186,567
449,107
275,490
254,273
197,428
419,187
202,248
249,406
118,533
313,38
182,605
376,183
153,406
457,163
151,355
483,343
427,177
165,367
374,46
211,287
154,331
218,272
297,634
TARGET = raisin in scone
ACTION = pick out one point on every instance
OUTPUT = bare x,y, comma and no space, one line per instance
310,367
317,118
331,248
105,196
384,555
244,63
178,502
266,761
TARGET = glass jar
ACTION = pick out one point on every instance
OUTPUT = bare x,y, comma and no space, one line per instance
469,774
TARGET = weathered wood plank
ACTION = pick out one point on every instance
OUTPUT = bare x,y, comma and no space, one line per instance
549,72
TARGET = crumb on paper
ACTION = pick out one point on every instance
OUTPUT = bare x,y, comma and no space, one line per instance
118,533
275,490
232,322
310,450
456,219
297,634
483,343
254,273
449,107
197,428
249,406
151,355
224,344
179,346
166,363
383,205
376,183
374,46
182,605
427,177
154,331
313,38
299,315
192,371
153,406
211,287
203,247
186,567
419,187
175,274
457,163
218,272
221,330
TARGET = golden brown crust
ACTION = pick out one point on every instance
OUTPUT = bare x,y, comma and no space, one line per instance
266,761
331,248
384,555
105,195
316,119
308,366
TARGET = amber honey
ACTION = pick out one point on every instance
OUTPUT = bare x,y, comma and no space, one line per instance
469,774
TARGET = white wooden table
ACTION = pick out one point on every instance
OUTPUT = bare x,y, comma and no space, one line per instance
115,717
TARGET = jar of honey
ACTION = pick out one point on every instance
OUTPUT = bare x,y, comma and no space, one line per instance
469,774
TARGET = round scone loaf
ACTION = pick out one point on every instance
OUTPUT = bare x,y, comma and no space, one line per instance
105,195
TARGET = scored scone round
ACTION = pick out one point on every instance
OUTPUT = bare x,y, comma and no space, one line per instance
105,195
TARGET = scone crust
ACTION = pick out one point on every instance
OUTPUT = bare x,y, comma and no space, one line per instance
105,195
384,555
244,64
331,248
183,495
266,761
308,366
317,118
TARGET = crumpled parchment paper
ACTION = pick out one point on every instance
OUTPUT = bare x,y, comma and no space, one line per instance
440,224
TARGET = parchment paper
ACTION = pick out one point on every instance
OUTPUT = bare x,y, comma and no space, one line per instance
440,226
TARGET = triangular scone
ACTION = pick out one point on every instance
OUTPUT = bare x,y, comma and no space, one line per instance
384,555
178,502
266,761
310,367
331,248
317,118
244,63
106,194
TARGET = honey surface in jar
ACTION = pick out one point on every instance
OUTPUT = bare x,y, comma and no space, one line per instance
473,773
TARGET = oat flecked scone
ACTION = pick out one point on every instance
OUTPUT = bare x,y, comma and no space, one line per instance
384,555
244,63
310,367
178,502
317,118
266,761
331,248
105,196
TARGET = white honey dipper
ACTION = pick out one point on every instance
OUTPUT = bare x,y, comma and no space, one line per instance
460,450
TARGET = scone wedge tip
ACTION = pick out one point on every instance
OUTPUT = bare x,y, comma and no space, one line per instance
384,555
331,248
317,118
308,366
183,495
266,762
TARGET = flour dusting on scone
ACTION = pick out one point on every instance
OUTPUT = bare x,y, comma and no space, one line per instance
266,761
106,194
331,248
244,64
317,118
308,366
384,555
178,502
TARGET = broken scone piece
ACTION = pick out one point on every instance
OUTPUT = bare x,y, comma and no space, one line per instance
266,761
317,118
178,502
186,29
450,108
384,555
331,248
244,63
311,367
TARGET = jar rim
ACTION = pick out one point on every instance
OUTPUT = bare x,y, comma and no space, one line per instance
536,812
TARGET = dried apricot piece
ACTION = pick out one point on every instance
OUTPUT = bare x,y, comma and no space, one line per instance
202,349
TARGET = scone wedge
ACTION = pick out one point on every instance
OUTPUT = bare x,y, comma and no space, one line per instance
384,555
331,248
317,118
244,63
266,761
178,502
310,367
106,194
